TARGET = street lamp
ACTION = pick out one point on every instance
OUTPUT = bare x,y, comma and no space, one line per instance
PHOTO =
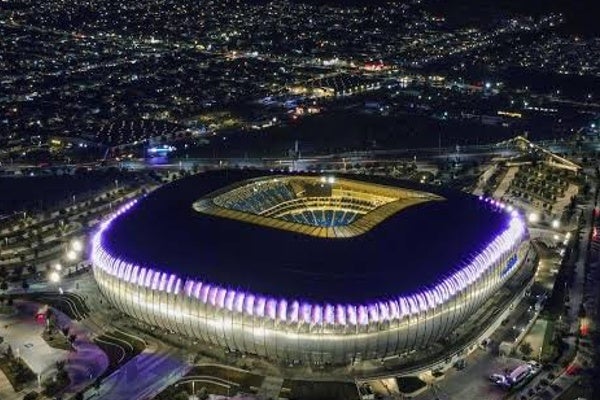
58,267
76,245
71,255
556,224
54,277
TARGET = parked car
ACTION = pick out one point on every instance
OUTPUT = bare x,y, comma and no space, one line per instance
497,378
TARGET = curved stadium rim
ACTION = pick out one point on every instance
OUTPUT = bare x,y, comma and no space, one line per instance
284,310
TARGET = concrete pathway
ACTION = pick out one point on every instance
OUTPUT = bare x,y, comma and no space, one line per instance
24,334
502,188
142,377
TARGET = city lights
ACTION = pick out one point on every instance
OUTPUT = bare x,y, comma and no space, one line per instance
357,197
76,245
54,277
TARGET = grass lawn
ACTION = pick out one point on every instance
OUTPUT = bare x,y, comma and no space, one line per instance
172,392
6,310
409,384
549,350
310,390
119,349
55,385
17,372
57,340
244,379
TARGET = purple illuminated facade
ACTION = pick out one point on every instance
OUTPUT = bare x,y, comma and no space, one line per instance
289,329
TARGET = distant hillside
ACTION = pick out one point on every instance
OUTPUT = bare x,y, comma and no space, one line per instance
580,15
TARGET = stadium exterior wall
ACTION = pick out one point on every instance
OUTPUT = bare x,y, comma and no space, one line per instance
287,330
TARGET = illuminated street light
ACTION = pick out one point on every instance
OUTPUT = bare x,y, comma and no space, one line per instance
534,217
58,267
77,245
54,277
555,223
71,255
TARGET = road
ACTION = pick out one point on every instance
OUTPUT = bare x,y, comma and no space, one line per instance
144,376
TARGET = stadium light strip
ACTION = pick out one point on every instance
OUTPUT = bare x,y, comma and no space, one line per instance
296,311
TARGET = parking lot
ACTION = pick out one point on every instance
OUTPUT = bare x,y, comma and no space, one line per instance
473,382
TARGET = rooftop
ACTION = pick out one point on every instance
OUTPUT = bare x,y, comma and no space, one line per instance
404,252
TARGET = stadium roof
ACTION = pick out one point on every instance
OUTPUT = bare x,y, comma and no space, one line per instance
407,251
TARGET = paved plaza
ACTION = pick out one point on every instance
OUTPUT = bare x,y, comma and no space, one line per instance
24,334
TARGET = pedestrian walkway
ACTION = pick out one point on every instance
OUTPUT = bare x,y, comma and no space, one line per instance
502,188
143,376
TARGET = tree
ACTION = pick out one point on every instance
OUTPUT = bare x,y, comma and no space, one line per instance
18,270
181,396
526,349
31,396
9,353
25,284
203,393
3,285
50,320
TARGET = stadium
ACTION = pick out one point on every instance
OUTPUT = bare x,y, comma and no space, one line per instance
307,268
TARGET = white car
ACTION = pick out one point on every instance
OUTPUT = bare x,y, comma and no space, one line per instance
535,366
497,378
